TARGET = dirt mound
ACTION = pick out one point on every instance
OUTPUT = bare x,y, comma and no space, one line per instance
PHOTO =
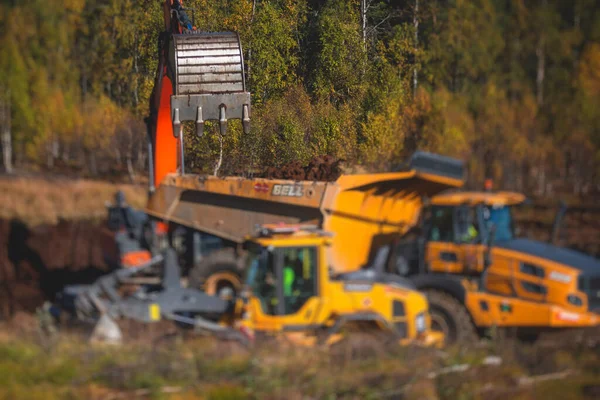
36,263
322,168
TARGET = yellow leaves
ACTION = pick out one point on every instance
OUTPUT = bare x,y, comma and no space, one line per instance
589,70
98,122
451,130
239,18
386,131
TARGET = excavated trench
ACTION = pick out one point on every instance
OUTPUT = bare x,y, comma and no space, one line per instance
36,263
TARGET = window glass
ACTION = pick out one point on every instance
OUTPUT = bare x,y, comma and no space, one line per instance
467,224
299,276
261,278
442,229
501,218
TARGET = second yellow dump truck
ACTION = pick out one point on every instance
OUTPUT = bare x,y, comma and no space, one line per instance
478,274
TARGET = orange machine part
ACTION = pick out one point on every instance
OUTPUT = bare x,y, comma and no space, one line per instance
135,258
165,144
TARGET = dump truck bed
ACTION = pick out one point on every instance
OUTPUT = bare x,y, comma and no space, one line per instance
356,208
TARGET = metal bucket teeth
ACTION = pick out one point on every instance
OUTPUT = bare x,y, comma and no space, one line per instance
207,71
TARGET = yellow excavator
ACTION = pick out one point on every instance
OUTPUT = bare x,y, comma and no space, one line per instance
183,258
455,251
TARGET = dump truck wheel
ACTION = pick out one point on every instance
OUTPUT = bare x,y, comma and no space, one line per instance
354,345
449,316
218,271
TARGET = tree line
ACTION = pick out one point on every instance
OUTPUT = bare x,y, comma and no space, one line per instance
510,86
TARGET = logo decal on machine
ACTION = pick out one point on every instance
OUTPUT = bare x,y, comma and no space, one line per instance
287,190
358,287
568,316
261,187
560,277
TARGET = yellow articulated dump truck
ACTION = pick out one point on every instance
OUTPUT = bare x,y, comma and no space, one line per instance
209,217
477,274
460,249
317,281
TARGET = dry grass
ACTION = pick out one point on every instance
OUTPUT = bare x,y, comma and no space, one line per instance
203,368
46,201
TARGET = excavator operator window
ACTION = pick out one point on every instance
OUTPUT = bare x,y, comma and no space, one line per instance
299,277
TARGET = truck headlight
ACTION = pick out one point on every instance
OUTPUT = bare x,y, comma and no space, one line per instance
420,323
575,300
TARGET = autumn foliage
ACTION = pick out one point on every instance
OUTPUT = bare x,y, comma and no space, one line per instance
512,87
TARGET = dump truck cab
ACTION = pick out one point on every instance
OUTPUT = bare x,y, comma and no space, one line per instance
472,258
458,229
291,290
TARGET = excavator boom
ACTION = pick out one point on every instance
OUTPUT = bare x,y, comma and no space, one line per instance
200,77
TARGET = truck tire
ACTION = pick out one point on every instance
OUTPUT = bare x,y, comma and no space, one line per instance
219,270
449,316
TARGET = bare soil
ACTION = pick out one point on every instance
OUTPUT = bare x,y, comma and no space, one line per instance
36,263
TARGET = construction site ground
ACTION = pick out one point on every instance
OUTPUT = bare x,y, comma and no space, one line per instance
49,237
164,364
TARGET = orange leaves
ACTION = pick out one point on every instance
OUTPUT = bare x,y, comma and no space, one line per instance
589,70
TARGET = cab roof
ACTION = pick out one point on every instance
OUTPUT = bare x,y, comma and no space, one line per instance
477,198
294,232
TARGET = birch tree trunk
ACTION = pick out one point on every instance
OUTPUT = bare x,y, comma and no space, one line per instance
363,20
6,139
129,156
540,53
416,47
249,62
541,70
220,160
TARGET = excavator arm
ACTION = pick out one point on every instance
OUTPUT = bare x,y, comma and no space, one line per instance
200,77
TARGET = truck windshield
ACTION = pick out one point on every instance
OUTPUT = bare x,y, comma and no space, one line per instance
257,266
501,218
261,278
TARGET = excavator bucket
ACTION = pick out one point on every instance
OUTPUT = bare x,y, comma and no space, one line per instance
207,71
